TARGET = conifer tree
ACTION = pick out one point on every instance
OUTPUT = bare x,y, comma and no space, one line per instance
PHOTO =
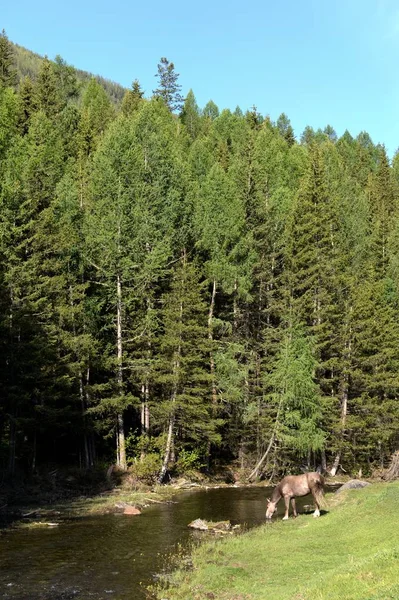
67,81
9,109
132,99
97,113
190,115
169,88
383,208
27,104
285,129
210,110
183,373
296,400
47,93
8,74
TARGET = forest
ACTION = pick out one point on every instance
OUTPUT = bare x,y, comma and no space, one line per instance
186,288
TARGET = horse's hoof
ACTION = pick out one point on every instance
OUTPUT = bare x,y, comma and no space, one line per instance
316,514
285,518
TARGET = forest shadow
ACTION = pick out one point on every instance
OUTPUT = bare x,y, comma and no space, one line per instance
28,496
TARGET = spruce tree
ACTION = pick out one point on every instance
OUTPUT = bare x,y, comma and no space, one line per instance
190,115
47,93
182,370
27,104
285,129
210,110
8,73
132,99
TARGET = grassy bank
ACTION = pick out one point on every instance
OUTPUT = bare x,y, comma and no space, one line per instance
350,553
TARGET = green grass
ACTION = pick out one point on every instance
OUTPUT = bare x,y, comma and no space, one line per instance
349,553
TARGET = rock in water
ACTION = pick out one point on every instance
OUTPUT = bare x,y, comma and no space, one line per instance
353,484
199,524
202,525
131,510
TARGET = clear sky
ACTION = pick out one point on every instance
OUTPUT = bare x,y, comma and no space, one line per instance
319,61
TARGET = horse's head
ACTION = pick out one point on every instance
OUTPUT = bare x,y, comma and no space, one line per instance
271,508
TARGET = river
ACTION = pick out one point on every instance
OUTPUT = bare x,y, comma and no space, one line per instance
114,557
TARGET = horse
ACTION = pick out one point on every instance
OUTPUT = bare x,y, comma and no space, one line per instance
296,485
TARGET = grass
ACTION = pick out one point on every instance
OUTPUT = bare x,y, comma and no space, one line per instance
350,553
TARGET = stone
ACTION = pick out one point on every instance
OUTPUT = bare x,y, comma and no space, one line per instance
218,527
199,524
131,510
353,484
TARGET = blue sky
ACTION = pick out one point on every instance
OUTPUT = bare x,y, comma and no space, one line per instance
319,61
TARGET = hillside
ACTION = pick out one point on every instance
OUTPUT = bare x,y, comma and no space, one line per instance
28,64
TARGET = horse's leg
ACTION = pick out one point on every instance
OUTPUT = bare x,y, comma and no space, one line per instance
293,504
287,507
317,511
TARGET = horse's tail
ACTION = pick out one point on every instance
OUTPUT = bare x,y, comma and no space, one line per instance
319,489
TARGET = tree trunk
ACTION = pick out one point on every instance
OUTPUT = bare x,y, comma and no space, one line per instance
344,412
168,448
170,439
344,405
145,388
210,336
255,472
86,451
12,446
235,307
176,367
120,432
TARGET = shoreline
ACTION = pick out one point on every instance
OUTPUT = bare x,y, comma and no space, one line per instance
111,501
302,558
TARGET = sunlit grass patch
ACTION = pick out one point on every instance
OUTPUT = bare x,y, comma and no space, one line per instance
351,552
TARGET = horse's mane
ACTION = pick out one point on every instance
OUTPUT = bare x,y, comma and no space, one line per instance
276,493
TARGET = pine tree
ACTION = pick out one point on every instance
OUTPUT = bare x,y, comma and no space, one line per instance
285,129
169,88
67,81
296,400
9,109
132,99
383,208
183,373
47,93
8,73
210,110
27,104
190,115
33,169
96,114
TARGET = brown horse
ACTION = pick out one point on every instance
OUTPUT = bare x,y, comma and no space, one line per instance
296,485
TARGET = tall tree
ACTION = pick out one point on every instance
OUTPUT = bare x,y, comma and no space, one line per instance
47,93
168,87
182,367
190,115
285,129
132,99
8,73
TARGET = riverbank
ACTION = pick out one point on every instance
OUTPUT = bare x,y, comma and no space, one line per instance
72,495
351,552
112,500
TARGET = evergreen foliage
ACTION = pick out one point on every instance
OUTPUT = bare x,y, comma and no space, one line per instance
169,88
199,282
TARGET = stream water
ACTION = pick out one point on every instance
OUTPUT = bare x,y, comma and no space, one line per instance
113,557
